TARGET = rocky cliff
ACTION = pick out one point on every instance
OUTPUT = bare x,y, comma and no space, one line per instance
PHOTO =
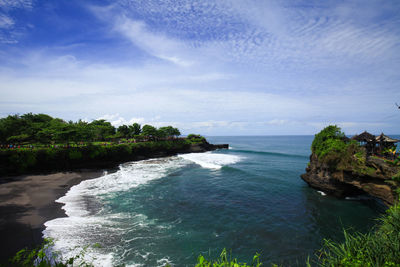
342,167
374,177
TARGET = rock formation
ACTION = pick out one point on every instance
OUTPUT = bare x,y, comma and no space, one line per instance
374,178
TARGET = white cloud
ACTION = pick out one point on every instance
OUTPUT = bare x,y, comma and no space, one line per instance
9,33
156,44
116,120
277,122
9,4
6,21
193,100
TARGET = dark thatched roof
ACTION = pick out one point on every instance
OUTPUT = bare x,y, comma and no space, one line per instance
386,139
364,137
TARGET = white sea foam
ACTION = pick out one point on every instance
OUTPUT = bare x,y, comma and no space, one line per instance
164,261
322,193
211,160
86,224
89,223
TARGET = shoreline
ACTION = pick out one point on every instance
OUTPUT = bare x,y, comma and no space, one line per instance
28,201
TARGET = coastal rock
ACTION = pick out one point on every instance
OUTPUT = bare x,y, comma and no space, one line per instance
375,179
205,146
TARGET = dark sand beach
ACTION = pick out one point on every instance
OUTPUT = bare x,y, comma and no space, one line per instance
27,202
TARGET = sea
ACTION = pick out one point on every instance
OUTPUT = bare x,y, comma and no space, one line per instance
247,199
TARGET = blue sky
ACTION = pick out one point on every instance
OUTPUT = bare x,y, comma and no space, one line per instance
211,67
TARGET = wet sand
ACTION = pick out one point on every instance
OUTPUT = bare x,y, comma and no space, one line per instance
27,202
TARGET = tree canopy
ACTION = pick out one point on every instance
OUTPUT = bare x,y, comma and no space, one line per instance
42,128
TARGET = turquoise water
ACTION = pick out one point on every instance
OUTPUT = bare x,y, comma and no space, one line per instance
247,199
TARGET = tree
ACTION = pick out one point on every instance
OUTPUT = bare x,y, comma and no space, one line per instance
149,130
85,131
11,126
135,129
102,129
124,131
168,131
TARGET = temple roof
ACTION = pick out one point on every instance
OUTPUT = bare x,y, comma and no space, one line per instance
364,137
386,139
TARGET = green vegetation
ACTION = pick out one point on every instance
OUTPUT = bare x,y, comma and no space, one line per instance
195,138
396,177
43,129
44,256
23,160
395,162
223,261
378,248
38,142
330,139
333,148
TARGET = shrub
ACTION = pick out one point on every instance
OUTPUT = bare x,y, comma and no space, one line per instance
224,262
333,148
331,138
396,177
75,154
195,139
44,256
378,248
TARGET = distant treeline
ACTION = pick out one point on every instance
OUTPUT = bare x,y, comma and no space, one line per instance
44,129
42,159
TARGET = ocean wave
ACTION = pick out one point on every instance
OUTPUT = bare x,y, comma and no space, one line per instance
269,153
211,160
88,224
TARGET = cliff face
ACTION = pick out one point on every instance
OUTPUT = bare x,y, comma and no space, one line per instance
374,178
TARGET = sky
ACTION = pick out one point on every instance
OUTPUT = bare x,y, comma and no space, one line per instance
223,67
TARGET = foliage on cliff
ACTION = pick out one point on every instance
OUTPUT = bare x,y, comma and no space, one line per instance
15,161
195,138
377,248
332,147
330,139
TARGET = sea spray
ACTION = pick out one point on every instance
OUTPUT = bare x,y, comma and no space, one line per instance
211,160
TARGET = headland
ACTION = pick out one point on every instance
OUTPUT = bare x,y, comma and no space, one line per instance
345,167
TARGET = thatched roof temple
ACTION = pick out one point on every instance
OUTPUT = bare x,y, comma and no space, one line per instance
386,139
375,144
364,137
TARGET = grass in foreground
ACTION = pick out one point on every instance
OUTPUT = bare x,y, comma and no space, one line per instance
376,248
223,261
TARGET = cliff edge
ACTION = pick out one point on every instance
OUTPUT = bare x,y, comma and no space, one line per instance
341,167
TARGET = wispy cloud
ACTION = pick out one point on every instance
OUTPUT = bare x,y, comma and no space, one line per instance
5,21
156,44
9,32
286,36
10,4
